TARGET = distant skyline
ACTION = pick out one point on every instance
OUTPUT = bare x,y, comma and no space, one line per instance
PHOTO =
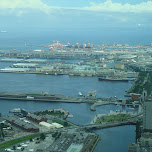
96,16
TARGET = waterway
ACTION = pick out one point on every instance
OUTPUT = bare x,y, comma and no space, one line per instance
63,84
113,139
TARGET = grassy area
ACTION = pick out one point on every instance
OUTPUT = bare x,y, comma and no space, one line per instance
34,94
57,114
111,118
64,123
15,141
46,112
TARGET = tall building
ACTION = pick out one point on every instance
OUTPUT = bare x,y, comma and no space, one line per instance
147,116
144,95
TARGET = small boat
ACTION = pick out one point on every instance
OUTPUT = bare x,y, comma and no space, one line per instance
80,94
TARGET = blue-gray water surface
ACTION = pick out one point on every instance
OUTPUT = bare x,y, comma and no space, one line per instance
112,139
118,138
63,84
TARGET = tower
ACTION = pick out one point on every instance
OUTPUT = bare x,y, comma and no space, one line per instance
147,116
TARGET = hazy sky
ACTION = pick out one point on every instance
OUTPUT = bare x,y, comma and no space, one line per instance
76,14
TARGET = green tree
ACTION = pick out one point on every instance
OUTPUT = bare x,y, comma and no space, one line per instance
2,133
42,136
14,147
31,140
138,130
22,149
65,124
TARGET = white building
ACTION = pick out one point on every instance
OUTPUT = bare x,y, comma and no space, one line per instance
50,126
57,125
47,125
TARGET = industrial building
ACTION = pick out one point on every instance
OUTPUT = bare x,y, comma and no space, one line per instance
119,66
73,140
14,69
36,118
47,125
146,139
25,65
50,126
57,125
26,126
135,97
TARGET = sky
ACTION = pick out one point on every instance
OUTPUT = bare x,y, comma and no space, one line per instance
77,15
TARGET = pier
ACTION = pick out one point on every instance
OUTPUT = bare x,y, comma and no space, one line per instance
45,97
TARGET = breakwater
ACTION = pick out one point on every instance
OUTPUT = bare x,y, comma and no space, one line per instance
45,97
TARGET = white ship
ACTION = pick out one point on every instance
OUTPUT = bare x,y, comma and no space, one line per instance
80,94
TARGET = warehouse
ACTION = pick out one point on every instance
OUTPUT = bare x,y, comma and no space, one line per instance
56,125
47,125
35,118
15,69
21,124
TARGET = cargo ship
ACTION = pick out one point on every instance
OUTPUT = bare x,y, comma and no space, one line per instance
114,79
